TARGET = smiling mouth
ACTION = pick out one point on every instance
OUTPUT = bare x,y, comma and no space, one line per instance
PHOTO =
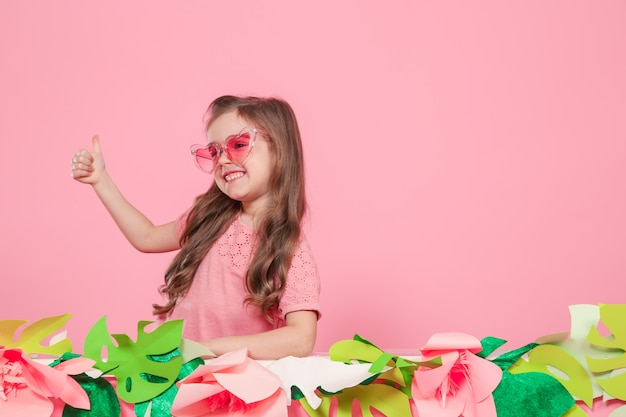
233,176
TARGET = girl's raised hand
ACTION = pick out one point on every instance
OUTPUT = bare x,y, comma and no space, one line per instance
88,167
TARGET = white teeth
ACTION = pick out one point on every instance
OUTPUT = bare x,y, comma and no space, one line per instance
233,176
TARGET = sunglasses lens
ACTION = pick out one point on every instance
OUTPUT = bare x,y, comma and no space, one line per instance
205,157
238,148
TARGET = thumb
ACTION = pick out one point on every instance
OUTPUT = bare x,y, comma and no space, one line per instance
95,144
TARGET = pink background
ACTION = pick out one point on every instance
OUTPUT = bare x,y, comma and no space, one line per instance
465,160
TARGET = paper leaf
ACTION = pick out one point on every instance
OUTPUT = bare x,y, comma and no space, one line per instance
30,339
536,394
303,376
102,397
161,405
131,362
557,362
392,368
381,397
531,394
612,316
575,411
489,345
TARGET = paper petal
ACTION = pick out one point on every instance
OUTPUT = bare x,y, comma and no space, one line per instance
429,380
427,407
74,395
75,366
42,379
189,401
254,384
485,377
26,404
453,341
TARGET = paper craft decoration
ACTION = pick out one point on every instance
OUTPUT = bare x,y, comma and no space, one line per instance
357,375
139,376
613,318
309,374
462,385
31,338
230,385
586,363
525,394
27,388
161,405
386,391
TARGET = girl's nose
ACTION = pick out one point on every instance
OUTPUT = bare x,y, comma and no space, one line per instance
223,158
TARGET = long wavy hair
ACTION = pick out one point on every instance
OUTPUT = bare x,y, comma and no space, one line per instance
279,230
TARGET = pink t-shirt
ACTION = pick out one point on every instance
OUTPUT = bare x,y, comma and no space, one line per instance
214,306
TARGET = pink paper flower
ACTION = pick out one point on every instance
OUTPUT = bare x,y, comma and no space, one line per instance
230,385
462,385
27,387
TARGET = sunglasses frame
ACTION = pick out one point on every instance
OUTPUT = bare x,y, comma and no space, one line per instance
223,148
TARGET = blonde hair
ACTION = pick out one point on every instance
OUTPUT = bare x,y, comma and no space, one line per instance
213,212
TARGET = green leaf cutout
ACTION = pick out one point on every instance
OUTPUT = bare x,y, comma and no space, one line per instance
524,391
612,316
161,405
383,398
400,374
31,338
387,392
102,398
546,358
139,376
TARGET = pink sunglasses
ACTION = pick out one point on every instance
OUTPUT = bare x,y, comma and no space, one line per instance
237,147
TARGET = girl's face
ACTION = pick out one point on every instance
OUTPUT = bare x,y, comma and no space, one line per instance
248,182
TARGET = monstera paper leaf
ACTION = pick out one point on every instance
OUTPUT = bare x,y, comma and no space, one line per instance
612,316
387,392
30,340
140,377
161,405
383,398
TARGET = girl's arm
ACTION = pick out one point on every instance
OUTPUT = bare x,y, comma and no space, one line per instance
89,168
297,338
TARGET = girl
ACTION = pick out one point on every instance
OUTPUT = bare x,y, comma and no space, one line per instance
244,276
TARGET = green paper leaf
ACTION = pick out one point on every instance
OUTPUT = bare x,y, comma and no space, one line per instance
531,394
551,359
381,397
161,405
296,393
575,411
525,394
612,316
400,375
140,377
65,357
506,360
31,338
489,345
102,398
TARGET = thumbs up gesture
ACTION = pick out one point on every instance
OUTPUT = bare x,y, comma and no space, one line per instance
88,167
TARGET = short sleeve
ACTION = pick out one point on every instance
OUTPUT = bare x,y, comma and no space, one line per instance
302,289
181,222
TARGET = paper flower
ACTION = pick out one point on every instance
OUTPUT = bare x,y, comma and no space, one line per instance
462,385
27,387
230,385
